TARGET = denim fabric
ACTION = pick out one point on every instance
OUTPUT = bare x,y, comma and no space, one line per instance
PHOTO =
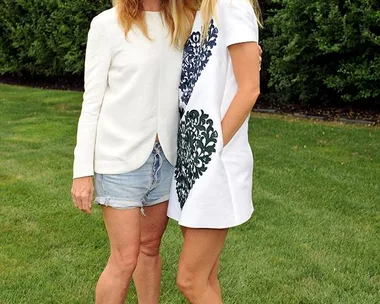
147,186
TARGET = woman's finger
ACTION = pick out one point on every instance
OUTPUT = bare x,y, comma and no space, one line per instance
86,202
74,198
78,202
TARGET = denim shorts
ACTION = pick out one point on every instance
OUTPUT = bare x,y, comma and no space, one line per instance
147,186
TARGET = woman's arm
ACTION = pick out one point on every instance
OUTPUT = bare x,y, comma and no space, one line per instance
246,64
97,63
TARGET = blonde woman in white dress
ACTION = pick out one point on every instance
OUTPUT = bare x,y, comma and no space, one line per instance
212,186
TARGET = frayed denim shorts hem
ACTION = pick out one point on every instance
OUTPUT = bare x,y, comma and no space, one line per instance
147,186
125,204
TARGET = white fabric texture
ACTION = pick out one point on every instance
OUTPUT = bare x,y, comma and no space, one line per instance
130,96
212,185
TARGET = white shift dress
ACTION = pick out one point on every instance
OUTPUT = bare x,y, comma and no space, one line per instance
212,185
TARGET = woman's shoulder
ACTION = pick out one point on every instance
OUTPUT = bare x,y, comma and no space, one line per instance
236,12
105,17
238,21
229,7
231,3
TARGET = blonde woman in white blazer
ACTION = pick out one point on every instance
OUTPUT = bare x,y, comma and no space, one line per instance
127,135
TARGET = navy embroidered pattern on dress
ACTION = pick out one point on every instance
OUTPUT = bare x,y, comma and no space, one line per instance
196,143
196,55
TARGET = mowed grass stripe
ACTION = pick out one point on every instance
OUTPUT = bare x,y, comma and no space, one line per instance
314,237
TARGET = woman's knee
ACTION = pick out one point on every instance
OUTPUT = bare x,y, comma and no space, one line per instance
190,284
150,246
124,261
185,282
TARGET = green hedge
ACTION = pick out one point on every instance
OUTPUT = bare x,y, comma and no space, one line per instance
325,51
315,52
45,37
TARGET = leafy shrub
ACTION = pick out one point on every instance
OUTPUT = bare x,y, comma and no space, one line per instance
45,37
324,51
315,51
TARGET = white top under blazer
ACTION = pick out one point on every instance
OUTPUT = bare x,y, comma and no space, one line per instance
131,87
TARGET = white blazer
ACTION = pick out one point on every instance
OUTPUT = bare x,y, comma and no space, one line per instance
131,94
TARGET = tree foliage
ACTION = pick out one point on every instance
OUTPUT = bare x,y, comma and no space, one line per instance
45,37
324,51
315,51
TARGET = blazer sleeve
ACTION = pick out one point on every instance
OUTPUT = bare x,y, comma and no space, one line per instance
97,64
238,21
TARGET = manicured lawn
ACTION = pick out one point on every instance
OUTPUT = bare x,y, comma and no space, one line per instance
314,238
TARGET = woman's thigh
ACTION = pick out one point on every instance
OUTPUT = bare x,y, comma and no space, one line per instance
200,251
153,225
123,228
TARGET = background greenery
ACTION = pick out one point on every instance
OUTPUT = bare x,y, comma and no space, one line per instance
315,52
314,237
324,52
45,37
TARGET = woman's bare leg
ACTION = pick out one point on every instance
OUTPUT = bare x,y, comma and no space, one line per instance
147,276
214,281
123,228
199,256
213,278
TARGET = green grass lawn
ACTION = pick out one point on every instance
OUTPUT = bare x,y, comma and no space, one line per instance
314,237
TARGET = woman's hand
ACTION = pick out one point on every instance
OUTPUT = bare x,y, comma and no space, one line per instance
82,193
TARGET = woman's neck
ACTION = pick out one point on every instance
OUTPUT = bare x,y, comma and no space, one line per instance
152,5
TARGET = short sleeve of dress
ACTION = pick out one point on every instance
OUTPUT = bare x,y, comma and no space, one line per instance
238,21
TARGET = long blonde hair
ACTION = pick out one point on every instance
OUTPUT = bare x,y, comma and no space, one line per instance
178,15
208,11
